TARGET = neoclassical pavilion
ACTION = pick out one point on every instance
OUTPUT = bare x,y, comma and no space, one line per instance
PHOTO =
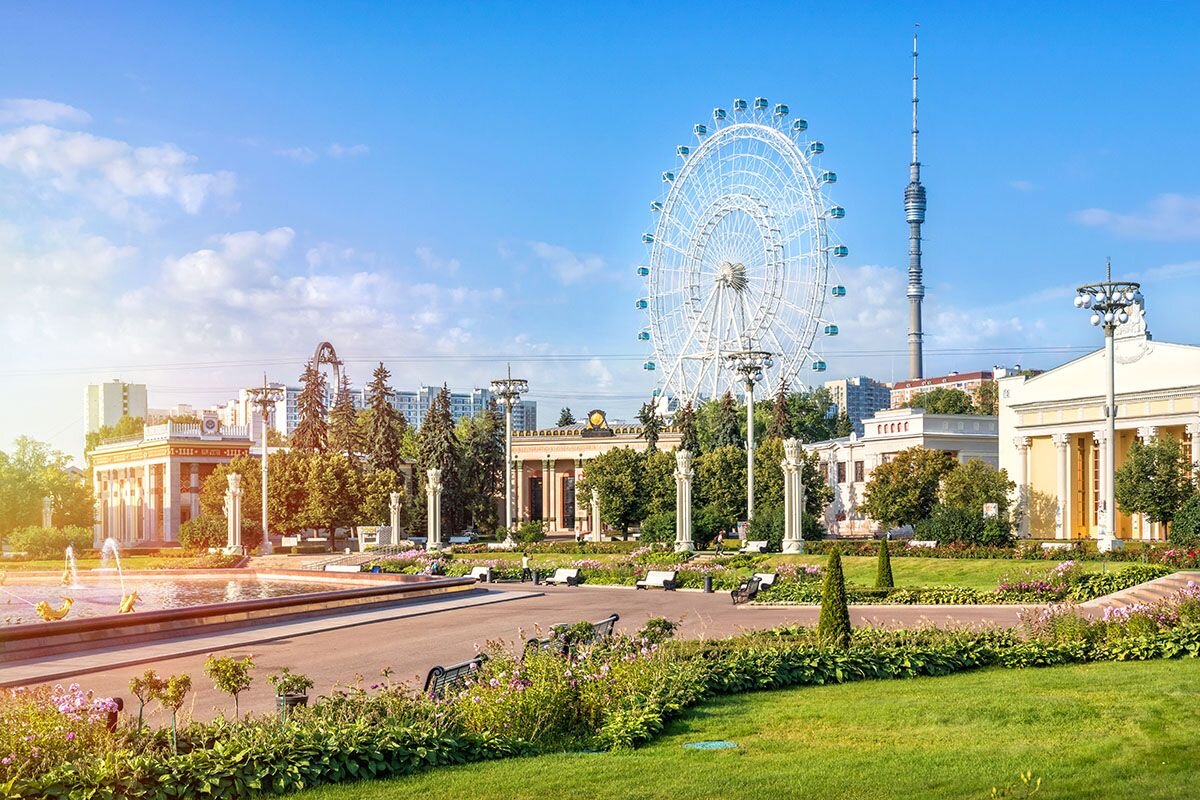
549,462
147,486
1052,429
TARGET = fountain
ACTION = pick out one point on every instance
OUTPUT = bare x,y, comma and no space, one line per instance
46,612
110,547
70,575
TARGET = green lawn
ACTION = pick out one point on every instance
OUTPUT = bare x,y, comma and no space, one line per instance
85,564
974,573
1109,730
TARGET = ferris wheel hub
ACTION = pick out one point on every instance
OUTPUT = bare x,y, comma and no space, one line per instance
733,276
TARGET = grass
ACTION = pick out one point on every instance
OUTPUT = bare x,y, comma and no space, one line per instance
84,564
974,573
1108,730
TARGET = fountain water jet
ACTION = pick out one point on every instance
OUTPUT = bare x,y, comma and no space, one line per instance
110,546
70,571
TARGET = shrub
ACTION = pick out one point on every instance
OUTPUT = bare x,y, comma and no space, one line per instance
658,528
200,533
767,526
948,525
833,627
231,676
658,630
707,522
41,542
1185,528
530,532
290,683
883,569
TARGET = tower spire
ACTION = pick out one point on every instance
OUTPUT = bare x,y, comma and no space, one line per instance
914,213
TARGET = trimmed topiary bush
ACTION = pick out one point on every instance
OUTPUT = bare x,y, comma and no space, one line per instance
1185,528
883,569
833,627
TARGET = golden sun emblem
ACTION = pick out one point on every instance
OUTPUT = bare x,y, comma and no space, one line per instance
596,419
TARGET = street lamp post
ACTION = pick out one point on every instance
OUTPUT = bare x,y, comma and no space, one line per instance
509,390
265,398
1109,303
749,364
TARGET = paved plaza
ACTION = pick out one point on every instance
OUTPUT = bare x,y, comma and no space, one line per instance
409,639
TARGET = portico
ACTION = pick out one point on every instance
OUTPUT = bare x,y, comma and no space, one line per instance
146,487
1053,429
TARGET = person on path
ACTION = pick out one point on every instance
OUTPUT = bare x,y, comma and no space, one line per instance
526,573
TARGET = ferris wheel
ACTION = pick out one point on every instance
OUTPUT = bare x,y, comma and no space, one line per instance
740,257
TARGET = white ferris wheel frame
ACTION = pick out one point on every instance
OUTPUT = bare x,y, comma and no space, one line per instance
740,255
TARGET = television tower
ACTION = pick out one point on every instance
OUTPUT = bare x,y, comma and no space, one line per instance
914,212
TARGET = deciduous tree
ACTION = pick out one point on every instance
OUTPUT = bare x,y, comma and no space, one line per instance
1155,479
943,401
969,486
721,483
618,477
904,490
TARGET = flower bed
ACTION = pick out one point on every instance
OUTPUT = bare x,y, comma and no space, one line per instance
617,693
1153,553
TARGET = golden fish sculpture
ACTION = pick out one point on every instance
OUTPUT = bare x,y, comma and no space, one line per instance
66,578
49,614
127,602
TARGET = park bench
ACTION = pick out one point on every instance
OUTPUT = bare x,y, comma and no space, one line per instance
289,541
765,579
754,547
600,631
1057,545
442,678
482,574
460,540
501,546
746,591
658,579
922,543
565,577
343,568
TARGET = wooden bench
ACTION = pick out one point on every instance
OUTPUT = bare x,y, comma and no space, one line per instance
754,547
746,592
441,678
482,574
564,576
765,579
658,579
600,631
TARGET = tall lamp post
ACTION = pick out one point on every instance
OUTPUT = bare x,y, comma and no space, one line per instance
265,397
1109,303
509,390
749,364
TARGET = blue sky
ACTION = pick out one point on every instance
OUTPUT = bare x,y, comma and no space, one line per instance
227,185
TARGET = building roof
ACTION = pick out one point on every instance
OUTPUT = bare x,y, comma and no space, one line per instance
941,380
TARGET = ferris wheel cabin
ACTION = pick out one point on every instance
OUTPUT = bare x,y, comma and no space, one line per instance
819,366
837,212
781,109
799,125
839,291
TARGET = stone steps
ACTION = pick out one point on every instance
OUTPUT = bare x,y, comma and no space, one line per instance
1149,592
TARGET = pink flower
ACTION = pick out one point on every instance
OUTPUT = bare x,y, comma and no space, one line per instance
71,736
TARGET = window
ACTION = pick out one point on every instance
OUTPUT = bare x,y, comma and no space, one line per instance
841,472
858,472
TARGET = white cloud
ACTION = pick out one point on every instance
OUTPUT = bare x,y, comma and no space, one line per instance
238,259
570,267
341,151
304,155
19,110
1170,217
109,172
599,373
434,264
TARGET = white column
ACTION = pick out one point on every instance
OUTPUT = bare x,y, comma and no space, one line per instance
551,498
578,506
1022,480
519,478
394,508
233,511
1104,528
433,510
148,531
170,500
683,502
1062,522
597,527
793,496
1193,428
194,485
99,508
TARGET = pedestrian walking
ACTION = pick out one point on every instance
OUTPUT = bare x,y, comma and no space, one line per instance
526,572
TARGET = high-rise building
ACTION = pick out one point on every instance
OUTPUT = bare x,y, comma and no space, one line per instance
108,402
859,398
412,405
968,382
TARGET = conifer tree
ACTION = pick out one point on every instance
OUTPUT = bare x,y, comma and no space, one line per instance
483,466
727,431
565,418
344,434
312,430
385,431
685,423
883,569
833,627
651,425
781,419
438,446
